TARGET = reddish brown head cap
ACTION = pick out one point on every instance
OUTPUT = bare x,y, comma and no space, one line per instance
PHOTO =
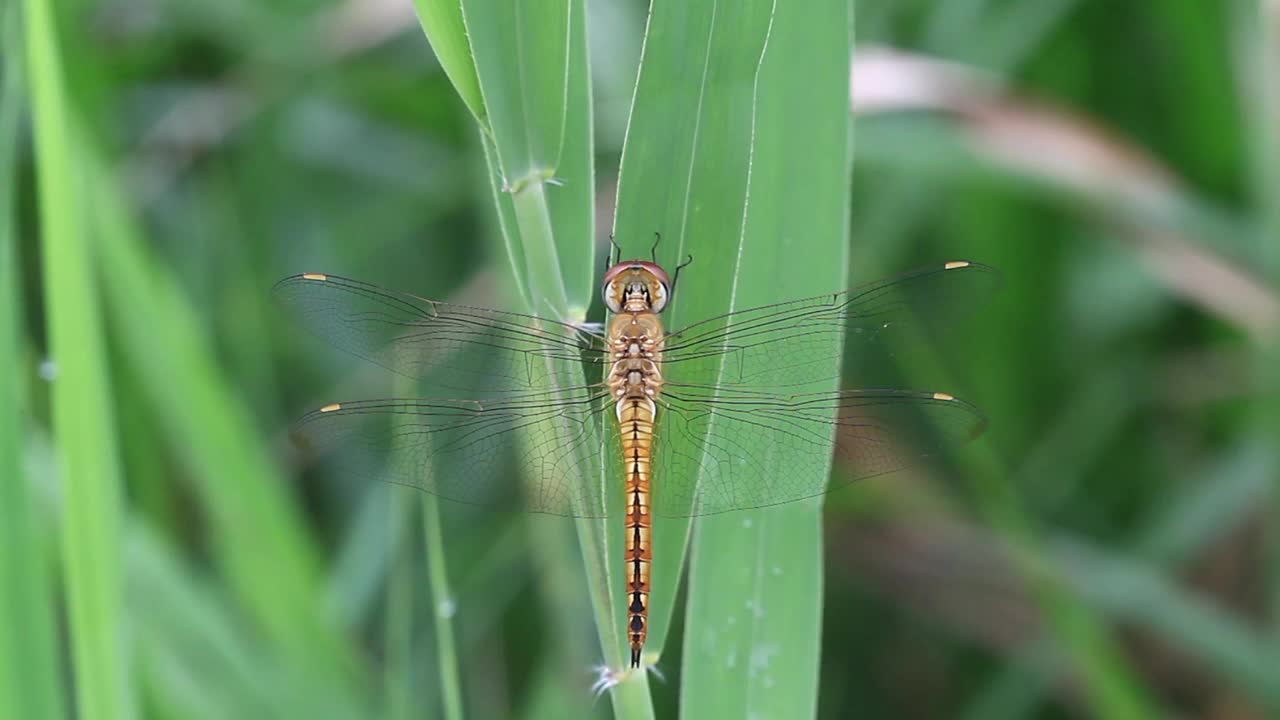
652,267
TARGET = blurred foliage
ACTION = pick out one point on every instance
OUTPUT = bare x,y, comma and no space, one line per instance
1109,548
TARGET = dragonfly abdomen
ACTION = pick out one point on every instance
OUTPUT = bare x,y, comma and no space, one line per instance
636,416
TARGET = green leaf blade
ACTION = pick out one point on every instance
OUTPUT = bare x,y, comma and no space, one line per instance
735,164
755,580
531,65
444,27
81,395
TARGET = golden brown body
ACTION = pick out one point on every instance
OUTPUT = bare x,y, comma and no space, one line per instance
635,337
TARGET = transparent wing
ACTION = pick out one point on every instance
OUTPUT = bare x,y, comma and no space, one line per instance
476,351
796,343
733,450
747,418
537,452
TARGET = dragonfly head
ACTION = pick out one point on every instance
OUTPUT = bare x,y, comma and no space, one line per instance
636,286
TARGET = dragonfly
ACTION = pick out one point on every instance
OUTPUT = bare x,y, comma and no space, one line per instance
735,412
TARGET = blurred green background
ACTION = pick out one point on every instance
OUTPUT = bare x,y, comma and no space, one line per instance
1110,548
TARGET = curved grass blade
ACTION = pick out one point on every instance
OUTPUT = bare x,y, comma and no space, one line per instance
82,397
442,23
30,685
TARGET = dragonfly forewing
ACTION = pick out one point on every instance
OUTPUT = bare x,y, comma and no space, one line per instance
471,351
792,344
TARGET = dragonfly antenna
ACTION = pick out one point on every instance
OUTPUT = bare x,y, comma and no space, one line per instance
653,251
676,278
609,258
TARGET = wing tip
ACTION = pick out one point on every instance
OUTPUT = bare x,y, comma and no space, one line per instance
283,284
981,268
979,426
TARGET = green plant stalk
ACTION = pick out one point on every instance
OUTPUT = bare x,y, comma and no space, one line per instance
560,576
30,682
81,402
598,538
545,281
442,608
523,60
631,698
506,215
528,231
398,636
542,263
535,267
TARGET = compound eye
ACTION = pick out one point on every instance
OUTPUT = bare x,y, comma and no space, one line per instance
612,296
658,295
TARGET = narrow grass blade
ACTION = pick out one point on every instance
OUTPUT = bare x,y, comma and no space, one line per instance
443,609
30,684
442,22
82,398
398,638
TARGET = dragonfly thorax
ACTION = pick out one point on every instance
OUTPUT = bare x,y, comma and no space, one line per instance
635,340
